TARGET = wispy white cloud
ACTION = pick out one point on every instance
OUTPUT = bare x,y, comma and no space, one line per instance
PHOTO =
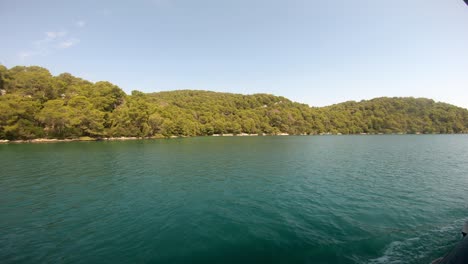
80,23
52,40
51,35
68,43
25,54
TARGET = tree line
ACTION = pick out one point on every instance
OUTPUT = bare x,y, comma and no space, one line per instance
36,104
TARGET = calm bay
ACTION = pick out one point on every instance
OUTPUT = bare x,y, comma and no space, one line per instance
292,199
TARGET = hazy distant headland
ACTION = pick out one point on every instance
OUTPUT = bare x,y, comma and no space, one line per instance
34,104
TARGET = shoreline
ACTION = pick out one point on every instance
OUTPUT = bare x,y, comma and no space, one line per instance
89,139
54,140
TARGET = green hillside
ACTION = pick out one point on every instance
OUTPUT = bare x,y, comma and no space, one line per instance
35,104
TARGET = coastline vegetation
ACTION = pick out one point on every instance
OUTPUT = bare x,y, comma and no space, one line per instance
35,104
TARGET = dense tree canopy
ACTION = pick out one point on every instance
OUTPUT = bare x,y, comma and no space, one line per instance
34,104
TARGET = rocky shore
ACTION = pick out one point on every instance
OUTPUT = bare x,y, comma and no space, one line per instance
53,140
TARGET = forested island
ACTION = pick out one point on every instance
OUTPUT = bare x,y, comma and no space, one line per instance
36,104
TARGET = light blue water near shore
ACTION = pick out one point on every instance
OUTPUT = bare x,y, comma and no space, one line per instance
317,199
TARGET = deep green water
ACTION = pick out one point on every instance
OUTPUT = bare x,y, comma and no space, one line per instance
318,199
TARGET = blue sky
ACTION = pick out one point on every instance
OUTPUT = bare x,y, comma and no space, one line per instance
314,52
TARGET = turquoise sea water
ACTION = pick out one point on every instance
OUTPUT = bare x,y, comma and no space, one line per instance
317,199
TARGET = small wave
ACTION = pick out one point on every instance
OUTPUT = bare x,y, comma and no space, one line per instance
421,248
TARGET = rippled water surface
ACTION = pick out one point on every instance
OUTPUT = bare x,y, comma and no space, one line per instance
318,199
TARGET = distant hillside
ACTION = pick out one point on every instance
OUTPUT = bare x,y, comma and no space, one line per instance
35,104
